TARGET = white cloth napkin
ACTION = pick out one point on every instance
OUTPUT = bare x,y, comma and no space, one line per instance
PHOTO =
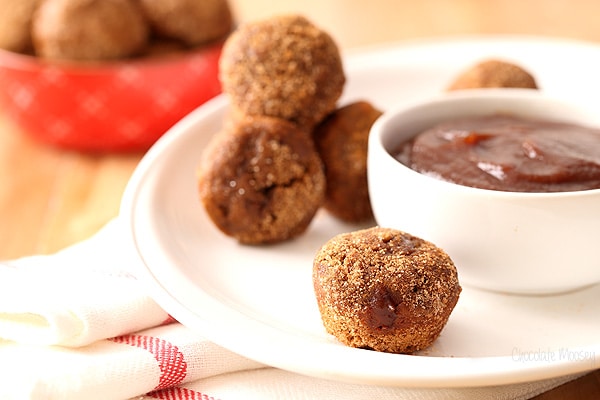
78,325
77,296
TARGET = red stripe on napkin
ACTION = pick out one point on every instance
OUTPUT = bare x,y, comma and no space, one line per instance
170,360
179,393
168,321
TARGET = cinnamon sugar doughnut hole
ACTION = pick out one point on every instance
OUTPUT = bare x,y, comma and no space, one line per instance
384,290
342,142
494,74
89,29
261,180
283,67
15,24
193,22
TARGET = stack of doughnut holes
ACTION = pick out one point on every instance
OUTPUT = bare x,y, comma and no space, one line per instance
285,149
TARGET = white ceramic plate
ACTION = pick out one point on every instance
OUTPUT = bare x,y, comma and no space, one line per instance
258,301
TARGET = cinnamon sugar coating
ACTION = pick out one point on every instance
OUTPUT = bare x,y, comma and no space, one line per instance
261,180
283,67
342,141
89,29
193,22
384,289
494,74
15,24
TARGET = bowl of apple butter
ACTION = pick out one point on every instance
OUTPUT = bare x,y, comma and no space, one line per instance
507,181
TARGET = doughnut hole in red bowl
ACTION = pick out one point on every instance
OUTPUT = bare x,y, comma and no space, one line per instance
114,106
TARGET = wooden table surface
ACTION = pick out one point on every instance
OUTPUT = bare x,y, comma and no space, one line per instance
50,198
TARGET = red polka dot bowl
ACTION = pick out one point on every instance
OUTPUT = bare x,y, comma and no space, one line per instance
110,106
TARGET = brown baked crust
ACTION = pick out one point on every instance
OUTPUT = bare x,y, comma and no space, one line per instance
283,67
494,74
89,29
191,21
342,141
261,180
384,289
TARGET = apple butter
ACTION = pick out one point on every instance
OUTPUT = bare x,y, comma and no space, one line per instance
508,153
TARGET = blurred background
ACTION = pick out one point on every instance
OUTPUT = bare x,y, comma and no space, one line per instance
357,23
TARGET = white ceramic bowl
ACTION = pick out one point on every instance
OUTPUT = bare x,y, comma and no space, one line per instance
532,243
